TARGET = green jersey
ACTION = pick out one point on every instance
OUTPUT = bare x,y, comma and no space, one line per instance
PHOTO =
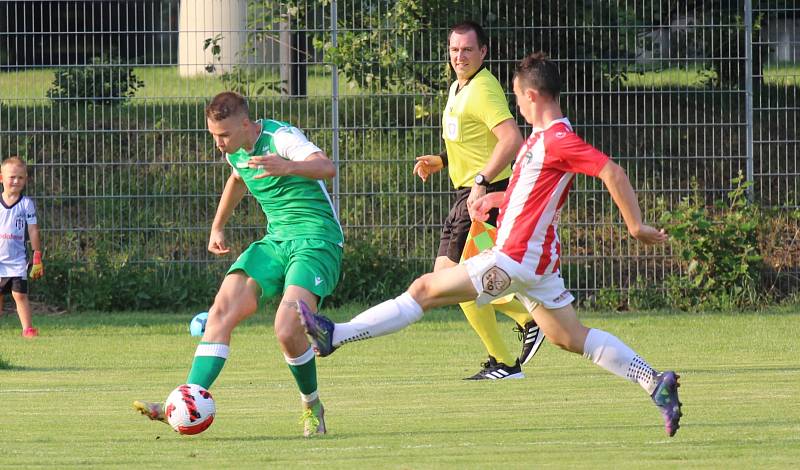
296,207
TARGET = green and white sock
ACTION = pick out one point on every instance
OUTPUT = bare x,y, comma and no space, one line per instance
209,358
304,370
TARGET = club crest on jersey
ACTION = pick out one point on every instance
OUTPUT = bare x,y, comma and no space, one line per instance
19,222
495,281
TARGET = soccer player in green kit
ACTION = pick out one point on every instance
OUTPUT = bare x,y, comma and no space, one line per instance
299,258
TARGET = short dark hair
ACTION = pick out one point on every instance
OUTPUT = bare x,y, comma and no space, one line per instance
537,71
468,25
225,105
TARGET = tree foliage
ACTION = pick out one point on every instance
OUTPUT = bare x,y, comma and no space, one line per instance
401,44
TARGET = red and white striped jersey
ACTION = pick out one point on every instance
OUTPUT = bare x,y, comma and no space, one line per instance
543,172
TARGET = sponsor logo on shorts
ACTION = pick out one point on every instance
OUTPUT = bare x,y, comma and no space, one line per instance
562,297
557,217
495,281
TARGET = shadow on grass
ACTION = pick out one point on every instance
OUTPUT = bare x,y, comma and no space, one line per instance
44,369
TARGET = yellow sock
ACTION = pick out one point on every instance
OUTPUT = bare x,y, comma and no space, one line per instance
514,310
484,322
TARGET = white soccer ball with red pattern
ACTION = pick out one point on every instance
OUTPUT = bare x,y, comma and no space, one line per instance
190,409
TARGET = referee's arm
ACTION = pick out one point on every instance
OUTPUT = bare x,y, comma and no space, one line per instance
509,140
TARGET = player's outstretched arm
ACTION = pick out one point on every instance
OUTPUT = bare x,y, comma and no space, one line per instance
231,196
619,186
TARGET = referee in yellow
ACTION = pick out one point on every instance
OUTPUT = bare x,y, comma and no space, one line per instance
481,140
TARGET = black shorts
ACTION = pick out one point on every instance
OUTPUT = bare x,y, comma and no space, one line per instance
456,225
15,284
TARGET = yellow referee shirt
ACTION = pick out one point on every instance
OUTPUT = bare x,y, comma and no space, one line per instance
467,123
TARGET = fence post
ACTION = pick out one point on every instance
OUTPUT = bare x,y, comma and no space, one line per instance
748,85
335,110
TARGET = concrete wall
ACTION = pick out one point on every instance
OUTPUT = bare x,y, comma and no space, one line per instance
203,19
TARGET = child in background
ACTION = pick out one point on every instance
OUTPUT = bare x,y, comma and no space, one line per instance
18,214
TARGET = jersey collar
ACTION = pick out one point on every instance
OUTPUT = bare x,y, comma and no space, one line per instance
459,88
552,123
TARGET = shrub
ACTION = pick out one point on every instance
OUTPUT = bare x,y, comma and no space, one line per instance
107,280
370,274
718,250
101,82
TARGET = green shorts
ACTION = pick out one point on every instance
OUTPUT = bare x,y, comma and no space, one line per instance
311,264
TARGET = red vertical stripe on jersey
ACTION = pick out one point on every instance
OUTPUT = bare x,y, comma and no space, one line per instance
515,245
514,178
551,245
544,171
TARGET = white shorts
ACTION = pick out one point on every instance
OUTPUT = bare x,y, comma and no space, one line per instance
494,275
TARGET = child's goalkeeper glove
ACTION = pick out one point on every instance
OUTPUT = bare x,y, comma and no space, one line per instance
37,270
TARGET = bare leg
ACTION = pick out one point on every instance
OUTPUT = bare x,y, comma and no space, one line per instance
562,327
236,300
288,329
23,309
446,287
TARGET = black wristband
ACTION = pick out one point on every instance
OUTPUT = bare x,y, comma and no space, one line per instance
443,156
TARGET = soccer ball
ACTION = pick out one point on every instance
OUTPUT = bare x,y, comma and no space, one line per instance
198,324
190,409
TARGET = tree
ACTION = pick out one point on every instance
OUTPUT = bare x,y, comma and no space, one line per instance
401,44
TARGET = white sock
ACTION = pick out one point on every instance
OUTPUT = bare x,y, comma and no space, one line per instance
608,352
382,319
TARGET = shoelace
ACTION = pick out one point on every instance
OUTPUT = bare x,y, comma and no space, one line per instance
309,419
520,332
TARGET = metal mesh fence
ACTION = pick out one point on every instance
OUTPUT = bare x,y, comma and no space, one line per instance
105,101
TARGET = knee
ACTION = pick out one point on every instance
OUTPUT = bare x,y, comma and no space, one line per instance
560,343
566,342
421,290
221,316
288,330
285,334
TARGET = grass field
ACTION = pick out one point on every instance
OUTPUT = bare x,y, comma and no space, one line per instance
163,83
399,401
160,84
781,75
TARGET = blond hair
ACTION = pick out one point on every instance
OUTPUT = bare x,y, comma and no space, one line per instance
14,160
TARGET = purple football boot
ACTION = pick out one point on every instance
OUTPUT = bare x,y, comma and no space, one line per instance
318,328
665,396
